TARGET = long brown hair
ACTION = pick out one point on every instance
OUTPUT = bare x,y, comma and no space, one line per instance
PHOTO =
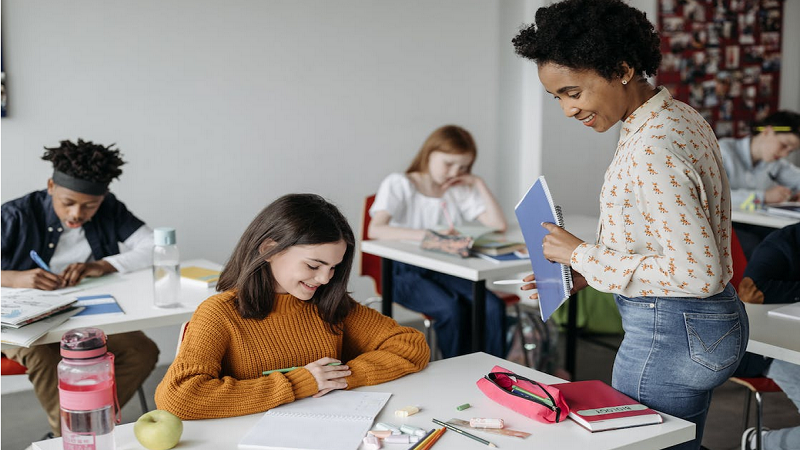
294,219
447,139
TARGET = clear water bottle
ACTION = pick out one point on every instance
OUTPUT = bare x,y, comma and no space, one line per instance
166,268
87,391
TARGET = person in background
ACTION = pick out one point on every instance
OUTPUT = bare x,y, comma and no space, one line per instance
283,303
439,182
772,275
76,226
664,244
759,172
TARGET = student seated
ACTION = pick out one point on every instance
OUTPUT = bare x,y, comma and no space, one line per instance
439,187
76,226
773,276
283,303
758,171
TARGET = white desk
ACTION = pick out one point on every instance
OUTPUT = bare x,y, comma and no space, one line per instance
438,389
775,337
134,293
762,218
474,269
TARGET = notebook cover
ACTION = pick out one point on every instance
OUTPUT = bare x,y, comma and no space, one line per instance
553,280
200,275
597,406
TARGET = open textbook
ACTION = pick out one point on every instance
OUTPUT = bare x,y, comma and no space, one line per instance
335,421
23,306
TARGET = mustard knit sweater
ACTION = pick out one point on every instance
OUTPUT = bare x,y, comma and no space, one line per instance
217,372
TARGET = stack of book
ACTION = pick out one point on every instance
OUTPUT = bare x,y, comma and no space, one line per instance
28,314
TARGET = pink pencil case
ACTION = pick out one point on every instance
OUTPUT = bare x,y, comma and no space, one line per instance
538,401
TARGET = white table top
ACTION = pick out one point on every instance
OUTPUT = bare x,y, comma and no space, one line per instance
775,337
134,293
438,390
762,218
472,268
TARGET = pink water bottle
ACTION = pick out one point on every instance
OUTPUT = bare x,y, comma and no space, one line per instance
87,391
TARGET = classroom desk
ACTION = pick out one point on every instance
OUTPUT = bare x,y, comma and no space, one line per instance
134,293
762,218
438,389
775,337
474,269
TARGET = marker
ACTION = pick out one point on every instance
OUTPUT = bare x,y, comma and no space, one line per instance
778,129
531,394
447,215
463,433
289,369
511,282
39,261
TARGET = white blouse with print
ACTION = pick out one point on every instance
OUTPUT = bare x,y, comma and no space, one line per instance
664,208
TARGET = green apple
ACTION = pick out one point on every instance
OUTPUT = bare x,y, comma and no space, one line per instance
158,430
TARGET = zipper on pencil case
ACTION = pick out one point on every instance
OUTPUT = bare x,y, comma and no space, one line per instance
526,397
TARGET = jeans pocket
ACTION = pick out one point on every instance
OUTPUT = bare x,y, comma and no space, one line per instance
714,339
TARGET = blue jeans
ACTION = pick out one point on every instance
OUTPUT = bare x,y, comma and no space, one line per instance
787,376
676,350
448,301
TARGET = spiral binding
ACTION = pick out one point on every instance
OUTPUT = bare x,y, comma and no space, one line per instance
566,271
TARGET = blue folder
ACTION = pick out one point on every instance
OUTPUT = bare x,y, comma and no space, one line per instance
553,280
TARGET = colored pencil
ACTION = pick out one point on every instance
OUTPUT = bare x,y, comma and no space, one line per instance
435,438
463,433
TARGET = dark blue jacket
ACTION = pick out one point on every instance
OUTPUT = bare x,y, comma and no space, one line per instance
775,266
31,223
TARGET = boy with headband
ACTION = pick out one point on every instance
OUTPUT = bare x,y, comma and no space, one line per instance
76,226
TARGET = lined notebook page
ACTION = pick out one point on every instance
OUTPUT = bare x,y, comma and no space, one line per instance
335,421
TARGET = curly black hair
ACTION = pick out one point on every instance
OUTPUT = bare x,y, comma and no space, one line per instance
85,160
597,35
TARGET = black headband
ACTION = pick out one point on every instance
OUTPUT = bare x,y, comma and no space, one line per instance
79,185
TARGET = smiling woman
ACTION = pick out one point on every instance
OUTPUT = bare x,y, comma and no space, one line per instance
283,303
664,244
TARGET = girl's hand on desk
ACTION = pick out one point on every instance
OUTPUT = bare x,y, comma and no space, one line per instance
328,377
558,245
777,194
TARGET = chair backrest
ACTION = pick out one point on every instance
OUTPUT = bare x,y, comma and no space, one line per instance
11,367
739,260
370,264
181,334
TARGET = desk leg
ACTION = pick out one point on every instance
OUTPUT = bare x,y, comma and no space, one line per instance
478,315
386,287
572,335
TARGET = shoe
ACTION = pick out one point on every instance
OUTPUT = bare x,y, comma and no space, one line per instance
749,439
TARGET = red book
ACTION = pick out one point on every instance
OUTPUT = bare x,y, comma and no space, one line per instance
597,406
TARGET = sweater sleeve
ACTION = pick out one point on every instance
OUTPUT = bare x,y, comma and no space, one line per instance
195,386
377,349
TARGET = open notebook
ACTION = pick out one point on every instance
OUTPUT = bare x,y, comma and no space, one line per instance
335,421
553,280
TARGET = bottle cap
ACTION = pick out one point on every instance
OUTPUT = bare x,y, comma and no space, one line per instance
164,236
83,343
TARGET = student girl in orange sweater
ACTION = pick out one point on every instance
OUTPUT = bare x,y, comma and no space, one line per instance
283,303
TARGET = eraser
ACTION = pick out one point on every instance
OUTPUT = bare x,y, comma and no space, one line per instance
480,422
463,407
400,439
387,426
407,411
371,442
410,429
381,433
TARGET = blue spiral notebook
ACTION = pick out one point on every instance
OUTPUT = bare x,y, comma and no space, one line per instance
553,280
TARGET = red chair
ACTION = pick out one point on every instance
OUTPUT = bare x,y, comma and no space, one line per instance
755,385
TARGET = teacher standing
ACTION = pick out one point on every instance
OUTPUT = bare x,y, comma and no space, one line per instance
663,248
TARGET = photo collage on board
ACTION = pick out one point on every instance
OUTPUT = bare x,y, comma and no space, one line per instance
722,57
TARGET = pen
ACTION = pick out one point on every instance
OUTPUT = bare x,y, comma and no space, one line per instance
463,433
447,215
39,261
289,369
531,394
511,282
777,129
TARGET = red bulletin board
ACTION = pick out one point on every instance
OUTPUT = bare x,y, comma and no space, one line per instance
723,57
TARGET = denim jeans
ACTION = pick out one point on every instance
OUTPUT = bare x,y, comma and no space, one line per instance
676,350
448,301
787,376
